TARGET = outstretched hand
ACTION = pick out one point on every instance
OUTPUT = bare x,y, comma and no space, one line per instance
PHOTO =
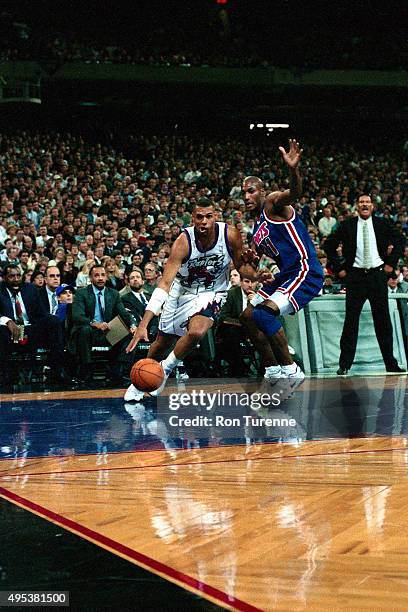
140,334
292,157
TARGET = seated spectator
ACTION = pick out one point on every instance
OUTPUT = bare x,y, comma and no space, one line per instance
135,301
26,277
65,295
327,222
46,294
113,274
37,278
404,279
24,320
82,279
151,278
67,270
394,284
329,287
230,333
59,256
94,306
234,279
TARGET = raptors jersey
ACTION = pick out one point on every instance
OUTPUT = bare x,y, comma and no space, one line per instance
205,270
288,243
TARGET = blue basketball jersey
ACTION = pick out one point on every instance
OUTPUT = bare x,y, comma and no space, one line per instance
287,242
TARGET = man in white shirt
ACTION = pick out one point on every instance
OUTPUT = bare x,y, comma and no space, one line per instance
371,249
327,222
47,293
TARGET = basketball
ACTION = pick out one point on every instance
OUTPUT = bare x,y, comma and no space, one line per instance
147,375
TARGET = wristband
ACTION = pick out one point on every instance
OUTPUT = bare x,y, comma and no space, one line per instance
257,299
159,296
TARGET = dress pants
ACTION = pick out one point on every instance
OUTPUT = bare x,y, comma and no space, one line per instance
47,332
368,285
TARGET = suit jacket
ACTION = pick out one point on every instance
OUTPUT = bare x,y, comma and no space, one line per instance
385,232
83,308
29,294
43,298
233,305
137,309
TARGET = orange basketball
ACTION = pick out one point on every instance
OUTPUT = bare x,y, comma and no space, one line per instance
147,375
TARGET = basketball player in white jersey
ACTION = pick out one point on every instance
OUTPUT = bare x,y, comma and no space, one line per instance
191,291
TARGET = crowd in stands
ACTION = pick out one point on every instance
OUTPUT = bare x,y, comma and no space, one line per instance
221,37
67,203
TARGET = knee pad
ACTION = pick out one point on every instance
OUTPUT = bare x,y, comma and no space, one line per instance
266,320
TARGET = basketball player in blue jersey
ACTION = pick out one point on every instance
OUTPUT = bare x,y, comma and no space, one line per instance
281,235
191,291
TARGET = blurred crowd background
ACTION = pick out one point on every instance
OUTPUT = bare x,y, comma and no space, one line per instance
140,110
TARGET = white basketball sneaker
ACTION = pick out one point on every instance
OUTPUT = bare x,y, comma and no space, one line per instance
292,381
133,395
272,375
160,389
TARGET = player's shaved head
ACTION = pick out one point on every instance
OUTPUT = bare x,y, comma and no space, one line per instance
253,180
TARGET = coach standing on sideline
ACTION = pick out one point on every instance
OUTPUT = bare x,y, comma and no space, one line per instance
371,248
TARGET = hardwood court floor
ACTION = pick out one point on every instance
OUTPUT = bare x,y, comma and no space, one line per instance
307,524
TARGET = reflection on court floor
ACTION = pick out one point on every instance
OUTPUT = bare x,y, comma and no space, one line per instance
290,506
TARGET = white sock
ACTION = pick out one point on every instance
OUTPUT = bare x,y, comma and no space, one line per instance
273,370
170,363
289,369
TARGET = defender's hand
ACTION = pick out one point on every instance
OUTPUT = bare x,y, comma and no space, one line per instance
250,257
292,157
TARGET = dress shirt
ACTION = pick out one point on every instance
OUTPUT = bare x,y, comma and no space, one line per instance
374,255
244,300
5,320
98,317
50,293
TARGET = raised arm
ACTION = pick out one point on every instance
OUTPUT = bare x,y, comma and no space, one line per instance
278,202
178,253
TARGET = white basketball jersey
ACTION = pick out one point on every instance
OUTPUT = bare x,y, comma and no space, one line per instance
206,270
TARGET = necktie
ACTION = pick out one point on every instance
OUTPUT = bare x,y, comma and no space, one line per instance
54,304
101,310
366,246
19,311
143,299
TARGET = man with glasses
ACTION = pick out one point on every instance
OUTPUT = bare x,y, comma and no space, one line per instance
151,278
25,322
47,294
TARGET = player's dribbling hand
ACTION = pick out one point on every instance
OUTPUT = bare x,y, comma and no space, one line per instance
140,334
292,157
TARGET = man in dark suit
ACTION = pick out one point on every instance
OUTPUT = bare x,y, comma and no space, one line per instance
25,322
94,306
230,332
135,301
371,247
46,293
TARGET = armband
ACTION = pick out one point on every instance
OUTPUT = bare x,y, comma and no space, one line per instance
159,296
